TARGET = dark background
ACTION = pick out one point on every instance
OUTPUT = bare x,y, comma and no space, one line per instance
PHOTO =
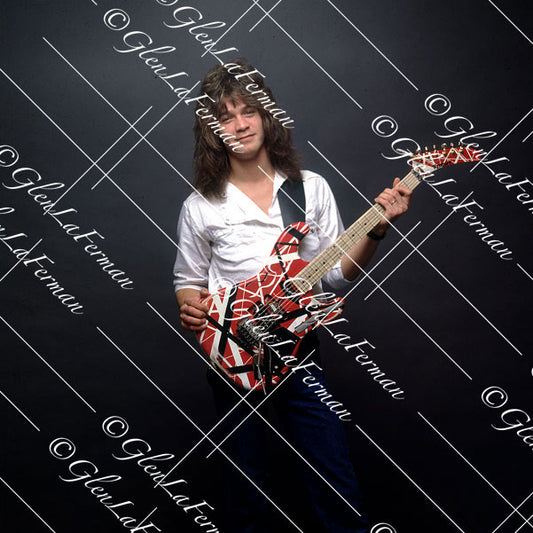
452,320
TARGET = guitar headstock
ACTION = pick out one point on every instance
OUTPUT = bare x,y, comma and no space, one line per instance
430,160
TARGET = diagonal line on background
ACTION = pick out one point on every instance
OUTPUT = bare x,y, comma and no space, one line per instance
501,140
89,83
309,55
20,260
265,16
142,211
225,33
450,358
511,22
26,504
140,524
372,44
46,363
100,158
423,256
524,271
409,478
191,421
19,410
206,435
526,522
255,409
415,249
512,513
142,138
258,414
389,252
51,120
243,399
515,509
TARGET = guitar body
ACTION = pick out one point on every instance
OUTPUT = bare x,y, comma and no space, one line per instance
255,327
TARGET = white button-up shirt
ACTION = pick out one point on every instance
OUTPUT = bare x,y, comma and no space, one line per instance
225,241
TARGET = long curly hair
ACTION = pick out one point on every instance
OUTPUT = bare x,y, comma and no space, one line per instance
211,162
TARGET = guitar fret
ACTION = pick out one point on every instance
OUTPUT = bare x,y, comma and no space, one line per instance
318,267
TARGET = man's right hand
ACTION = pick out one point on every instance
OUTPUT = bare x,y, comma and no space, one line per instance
192,310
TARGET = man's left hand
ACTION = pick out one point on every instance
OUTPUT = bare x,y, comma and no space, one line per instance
395,201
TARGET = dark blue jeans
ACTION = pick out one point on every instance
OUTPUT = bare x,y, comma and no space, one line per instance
315,432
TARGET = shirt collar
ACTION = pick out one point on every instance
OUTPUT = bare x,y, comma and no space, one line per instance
238,208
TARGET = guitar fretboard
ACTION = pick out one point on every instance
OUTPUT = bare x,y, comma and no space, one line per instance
323,262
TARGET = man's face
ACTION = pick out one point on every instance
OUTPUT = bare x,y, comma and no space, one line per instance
243,121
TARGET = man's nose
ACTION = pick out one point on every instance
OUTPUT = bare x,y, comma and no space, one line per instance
241,123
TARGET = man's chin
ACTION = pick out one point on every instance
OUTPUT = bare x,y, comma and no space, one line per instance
243,152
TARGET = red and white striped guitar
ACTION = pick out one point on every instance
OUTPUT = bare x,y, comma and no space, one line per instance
255,327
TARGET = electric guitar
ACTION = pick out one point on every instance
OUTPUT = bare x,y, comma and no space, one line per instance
254,328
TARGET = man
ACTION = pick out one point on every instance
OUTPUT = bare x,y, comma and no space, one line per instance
226,231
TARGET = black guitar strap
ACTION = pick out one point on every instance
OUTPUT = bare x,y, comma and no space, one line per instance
291,198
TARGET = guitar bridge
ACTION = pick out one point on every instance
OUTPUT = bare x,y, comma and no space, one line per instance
253,331
258,326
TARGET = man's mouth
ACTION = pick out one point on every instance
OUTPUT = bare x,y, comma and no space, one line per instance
246,137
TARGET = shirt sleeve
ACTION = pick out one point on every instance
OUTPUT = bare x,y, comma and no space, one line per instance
191,268
330,226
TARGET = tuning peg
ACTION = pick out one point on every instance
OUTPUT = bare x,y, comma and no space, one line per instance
425,148
451,144
443,146
434,147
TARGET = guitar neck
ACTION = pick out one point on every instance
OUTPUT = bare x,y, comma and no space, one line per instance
323,262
